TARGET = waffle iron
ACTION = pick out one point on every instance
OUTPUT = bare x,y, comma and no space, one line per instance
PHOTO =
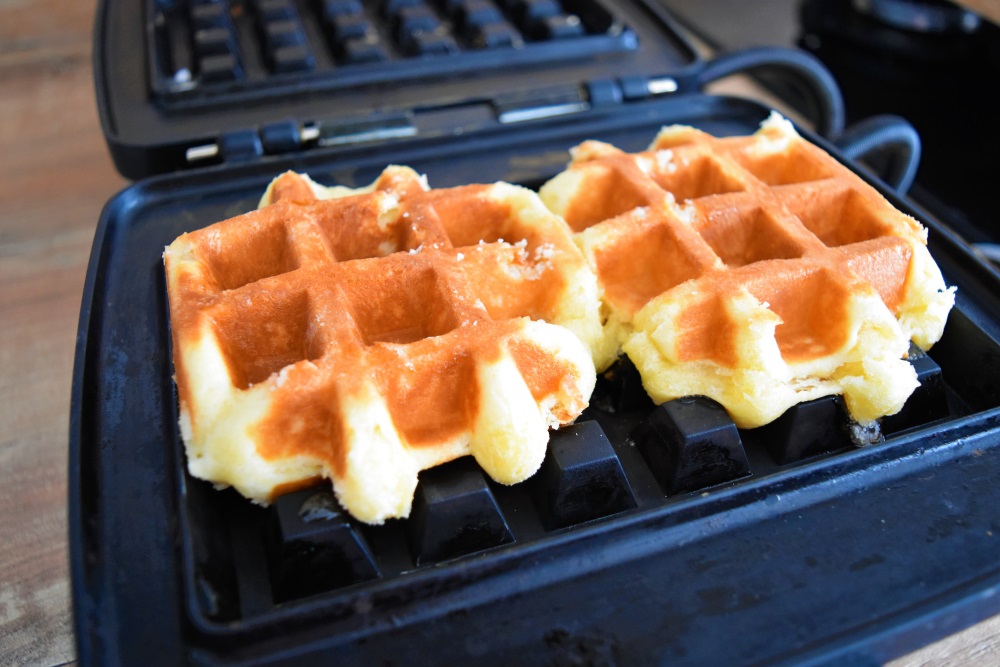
652,534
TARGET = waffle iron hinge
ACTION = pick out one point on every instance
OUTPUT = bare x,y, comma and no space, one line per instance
596,94
530,105
288,136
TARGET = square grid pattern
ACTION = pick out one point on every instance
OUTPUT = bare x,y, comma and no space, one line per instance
206,43
407,311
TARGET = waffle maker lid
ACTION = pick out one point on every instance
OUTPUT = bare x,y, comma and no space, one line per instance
188,84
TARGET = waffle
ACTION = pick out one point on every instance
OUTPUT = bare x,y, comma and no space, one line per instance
757,271
374,334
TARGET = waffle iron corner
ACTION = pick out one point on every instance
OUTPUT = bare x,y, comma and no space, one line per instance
805,556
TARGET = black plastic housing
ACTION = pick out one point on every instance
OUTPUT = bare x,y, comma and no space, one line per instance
150,122
814,554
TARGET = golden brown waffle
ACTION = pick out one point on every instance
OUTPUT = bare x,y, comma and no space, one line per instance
371,336
758,271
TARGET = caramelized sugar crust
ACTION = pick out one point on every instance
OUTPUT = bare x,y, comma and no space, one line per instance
756,270
364,337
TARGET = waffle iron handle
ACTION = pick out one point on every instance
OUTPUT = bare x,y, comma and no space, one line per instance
796,74
891,146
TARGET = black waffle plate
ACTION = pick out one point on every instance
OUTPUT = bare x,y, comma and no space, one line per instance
651,534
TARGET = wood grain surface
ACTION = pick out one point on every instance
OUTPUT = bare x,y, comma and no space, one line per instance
55,176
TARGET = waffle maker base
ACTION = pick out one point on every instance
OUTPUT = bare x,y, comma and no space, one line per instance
814,554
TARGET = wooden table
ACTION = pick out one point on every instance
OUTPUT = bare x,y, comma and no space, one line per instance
55,175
